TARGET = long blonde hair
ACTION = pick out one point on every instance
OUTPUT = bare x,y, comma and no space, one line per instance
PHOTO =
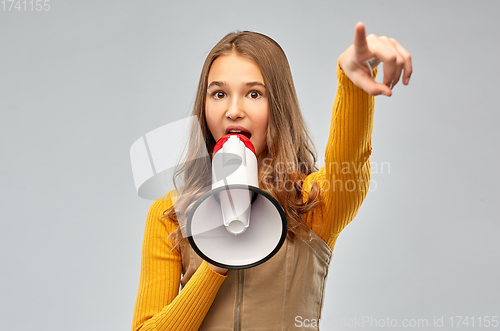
289,155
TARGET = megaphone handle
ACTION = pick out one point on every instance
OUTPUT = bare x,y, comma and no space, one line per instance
217,269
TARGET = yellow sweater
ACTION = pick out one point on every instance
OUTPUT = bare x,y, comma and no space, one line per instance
344,180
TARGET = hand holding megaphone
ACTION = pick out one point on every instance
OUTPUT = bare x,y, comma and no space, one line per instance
217,269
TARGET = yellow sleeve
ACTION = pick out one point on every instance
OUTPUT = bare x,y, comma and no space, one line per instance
345,178
159,305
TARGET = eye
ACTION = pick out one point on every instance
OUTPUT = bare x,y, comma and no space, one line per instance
254,94
218,94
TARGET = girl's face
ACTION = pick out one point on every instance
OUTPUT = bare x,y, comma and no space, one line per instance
237,100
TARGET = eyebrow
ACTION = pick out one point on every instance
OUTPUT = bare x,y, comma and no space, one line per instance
222,84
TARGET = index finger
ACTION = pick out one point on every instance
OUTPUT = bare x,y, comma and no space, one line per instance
360,43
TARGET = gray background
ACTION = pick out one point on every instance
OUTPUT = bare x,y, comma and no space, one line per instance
81,82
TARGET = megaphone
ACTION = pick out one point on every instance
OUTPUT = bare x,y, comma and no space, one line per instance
236,225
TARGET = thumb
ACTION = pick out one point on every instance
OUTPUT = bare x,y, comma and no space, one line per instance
366,83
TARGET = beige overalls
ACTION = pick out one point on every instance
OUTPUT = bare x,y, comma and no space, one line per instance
276,295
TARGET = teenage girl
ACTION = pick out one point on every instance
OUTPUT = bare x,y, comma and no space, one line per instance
246,84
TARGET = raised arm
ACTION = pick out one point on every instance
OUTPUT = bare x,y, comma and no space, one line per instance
345,177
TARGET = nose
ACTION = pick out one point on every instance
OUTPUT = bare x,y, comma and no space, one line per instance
235,109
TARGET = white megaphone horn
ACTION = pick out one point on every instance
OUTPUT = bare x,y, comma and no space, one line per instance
236,225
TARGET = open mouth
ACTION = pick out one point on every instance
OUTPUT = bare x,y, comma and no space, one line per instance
244,133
